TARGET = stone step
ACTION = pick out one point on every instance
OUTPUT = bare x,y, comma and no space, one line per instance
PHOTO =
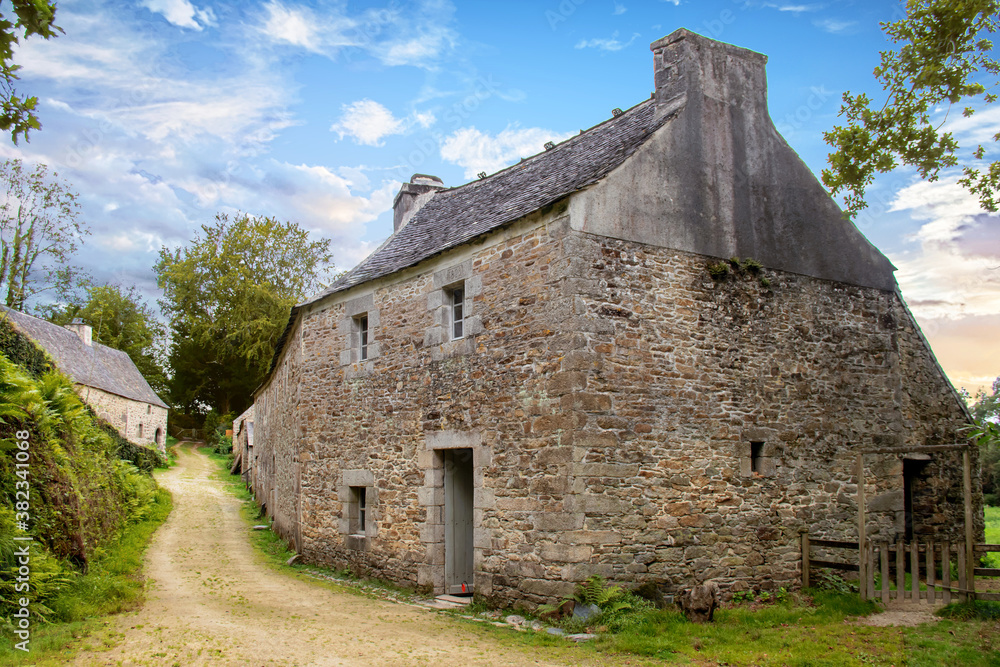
454,599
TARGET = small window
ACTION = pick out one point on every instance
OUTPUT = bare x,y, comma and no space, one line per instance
140,430
456,301
149,409
756,449
359,502
362,326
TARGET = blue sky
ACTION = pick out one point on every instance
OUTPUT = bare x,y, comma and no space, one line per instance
161,113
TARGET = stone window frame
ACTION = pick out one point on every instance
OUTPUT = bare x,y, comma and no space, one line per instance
354,309
431,496
757,457
438,337
347,525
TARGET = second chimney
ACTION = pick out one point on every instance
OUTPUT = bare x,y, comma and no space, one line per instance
84,331
411,197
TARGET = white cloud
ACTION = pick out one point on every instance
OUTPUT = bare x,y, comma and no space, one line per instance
606,44
477,151
835,26
619,9
794,9
675,3
416,34
953,268
162,145
368,122
297,26
181,13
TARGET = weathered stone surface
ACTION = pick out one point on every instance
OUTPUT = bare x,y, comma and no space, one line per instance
699,602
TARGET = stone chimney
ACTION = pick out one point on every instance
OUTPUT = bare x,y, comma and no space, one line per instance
687,63
84,331
411,197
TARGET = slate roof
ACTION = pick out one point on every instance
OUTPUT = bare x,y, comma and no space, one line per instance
457,215
96,365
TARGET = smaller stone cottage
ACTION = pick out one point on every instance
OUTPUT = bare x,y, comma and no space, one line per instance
105,378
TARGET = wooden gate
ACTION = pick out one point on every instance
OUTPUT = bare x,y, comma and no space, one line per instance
938,570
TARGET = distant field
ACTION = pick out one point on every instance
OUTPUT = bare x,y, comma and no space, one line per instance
993,532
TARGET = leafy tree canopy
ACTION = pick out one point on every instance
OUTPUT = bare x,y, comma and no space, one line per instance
31,17
122,320
942,56
40,231
227,295
985,431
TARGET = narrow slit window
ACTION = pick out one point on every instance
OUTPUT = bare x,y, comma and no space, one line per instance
361,508
457,312
363,333
756,448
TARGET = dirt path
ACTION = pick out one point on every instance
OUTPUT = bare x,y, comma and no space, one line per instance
212,602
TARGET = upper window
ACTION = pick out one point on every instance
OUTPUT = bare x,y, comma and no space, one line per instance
456,303
361,322
149,409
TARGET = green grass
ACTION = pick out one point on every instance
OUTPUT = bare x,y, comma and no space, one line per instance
112,584
992,533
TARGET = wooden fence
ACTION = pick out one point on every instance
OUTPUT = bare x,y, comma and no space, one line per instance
928,563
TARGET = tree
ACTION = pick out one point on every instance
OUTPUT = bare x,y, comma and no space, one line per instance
228,295
985,430
943,53
39,233
122,320
34,17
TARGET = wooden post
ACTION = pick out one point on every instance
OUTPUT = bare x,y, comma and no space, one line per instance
914,571
862,551
970,553
931,593
805,559
946,570
962,581
900,570
883,553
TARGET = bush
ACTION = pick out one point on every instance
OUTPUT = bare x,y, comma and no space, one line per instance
83,495
224,445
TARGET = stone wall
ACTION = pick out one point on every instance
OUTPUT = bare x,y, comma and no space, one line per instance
277,437
142,423
628,415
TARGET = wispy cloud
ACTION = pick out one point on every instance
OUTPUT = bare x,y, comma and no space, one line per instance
835,26
794,9
619,9
478,151
415,35
606,44
181,13
953,268
368,122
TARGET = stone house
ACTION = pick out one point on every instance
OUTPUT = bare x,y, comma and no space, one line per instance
555,371
105,378
243,453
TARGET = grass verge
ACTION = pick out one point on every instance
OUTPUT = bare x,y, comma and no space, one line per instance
112,584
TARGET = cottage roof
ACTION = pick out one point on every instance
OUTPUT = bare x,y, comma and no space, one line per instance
457,215
95,365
